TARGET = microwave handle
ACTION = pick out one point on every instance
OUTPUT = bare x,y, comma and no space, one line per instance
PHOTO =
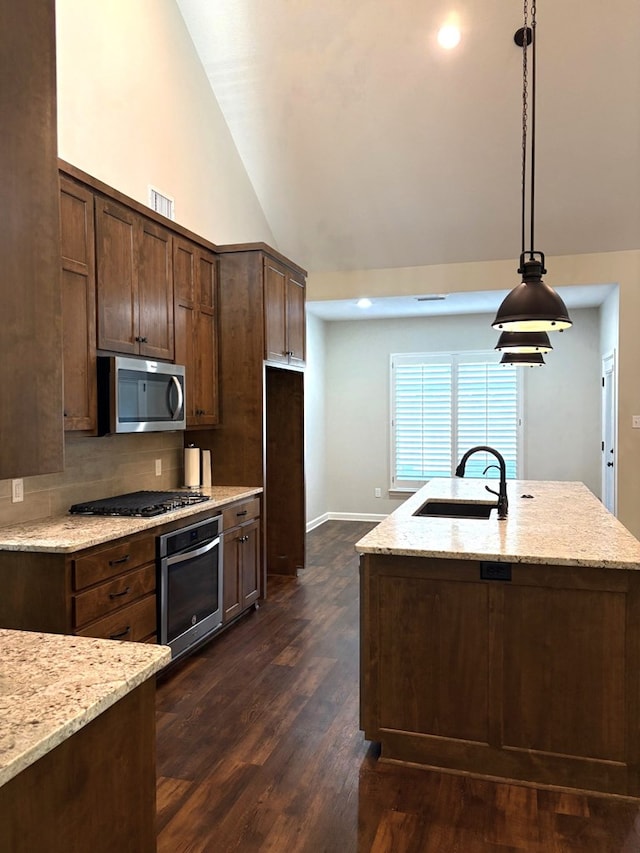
176,414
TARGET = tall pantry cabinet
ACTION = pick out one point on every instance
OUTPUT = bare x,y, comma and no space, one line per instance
30,300
260,438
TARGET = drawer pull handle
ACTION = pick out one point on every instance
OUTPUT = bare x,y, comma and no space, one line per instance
244,512
121,560
120,594
121,634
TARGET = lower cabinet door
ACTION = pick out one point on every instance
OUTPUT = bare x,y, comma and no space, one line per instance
241,568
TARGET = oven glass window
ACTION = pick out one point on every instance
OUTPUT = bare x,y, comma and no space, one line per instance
192,592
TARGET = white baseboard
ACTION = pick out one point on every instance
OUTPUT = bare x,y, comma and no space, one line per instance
344,516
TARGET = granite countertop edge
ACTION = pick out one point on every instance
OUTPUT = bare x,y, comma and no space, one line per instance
67,533
52,685
549,523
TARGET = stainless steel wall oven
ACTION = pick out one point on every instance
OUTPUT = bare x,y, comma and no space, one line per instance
190,585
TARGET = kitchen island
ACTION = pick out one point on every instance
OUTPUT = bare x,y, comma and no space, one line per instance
77,743
505,649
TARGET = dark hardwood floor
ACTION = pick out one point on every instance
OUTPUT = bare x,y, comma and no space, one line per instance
259,746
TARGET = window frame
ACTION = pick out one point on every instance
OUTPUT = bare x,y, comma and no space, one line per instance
452,358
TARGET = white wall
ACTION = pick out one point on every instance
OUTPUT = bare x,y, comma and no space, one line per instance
563,402
135,108
315,423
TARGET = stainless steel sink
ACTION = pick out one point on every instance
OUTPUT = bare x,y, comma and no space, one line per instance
455,509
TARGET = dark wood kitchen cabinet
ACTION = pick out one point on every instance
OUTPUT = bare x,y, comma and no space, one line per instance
284,314
243,582
260,438
77,242
535,677
134,282
30,302
107,591
195,285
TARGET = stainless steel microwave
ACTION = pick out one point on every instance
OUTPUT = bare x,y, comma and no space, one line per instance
137,395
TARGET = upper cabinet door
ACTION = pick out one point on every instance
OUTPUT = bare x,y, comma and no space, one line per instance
155,291
284,315
196,329
117,278
135,283
78,305
275,313
296,320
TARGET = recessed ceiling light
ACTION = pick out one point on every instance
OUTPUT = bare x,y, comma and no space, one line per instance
448,36
364,303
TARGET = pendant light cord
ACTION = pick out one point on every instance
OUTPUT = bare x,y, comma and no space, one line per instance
524,127
533,120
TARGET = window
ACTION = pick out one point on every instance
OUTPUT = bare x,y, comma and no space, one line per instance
442,404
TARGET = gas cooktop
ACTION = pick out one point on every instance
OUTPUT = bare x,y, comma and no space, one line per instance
140,504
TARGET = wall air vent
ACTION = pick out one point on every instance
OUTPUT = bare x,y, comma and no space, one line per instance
434,297
161,203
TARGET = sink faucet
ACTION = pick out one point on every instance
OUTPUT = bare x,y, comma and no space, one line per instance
503,503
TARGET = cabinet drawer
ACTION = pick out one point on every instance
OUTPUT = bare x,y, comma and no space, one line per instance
135,622
240,512
103,599
109,562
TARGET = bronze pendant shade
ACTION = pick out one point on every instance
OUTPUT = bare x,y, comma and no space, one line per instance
524,342
522,359
532,306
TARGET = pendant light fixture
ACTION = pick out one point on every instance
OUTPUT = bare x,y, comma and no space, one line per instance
532,306
522,359
524,342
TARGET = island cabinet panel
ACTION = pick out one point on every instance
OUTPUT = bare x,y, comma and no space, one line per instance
535,678
432,675
94,792
77,242
195,283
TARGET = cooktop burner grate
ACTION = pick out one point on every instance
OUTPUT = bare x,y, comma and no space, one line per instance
140,504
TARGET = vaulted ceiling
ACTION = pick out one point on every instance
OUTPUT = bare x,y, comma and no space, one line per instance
371,147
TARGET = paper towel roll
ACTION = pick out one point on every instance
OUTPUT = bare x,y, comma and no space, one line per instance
206,467
192,467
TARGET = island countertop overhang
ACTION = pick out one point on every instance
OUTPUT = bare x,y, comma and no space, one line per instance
562,523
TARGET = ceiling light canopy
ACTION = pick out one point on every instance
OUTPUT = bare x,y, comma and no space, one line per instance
524,342
532,306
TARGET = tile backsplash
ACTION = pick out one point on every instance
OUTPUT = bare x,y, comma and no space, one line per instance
97,468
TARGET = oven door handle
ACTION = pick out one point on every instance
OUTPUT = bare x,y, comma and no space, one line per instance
189,555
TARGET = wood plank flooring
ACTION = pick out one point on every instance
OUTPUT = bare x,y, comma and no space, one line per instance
259,747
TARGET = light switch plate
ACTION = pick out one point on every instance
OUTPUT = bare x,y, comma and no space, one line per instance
635,421
158,467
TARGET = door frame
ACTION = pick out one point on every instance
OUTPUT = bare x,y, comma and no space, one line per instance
609,429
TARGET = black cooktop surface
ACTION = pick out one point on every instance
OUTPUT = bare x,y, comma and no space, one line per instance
140,504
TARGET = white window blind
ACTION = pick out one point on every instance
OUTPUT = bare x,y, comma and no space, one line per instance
445,403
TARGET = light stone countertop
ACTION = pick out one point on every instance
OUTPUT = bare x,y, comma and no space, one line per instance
51,685
67,533
562,524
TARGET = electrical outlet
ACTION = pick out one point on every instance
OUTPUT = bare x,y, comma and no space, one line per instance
158,467
378,493
17,491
